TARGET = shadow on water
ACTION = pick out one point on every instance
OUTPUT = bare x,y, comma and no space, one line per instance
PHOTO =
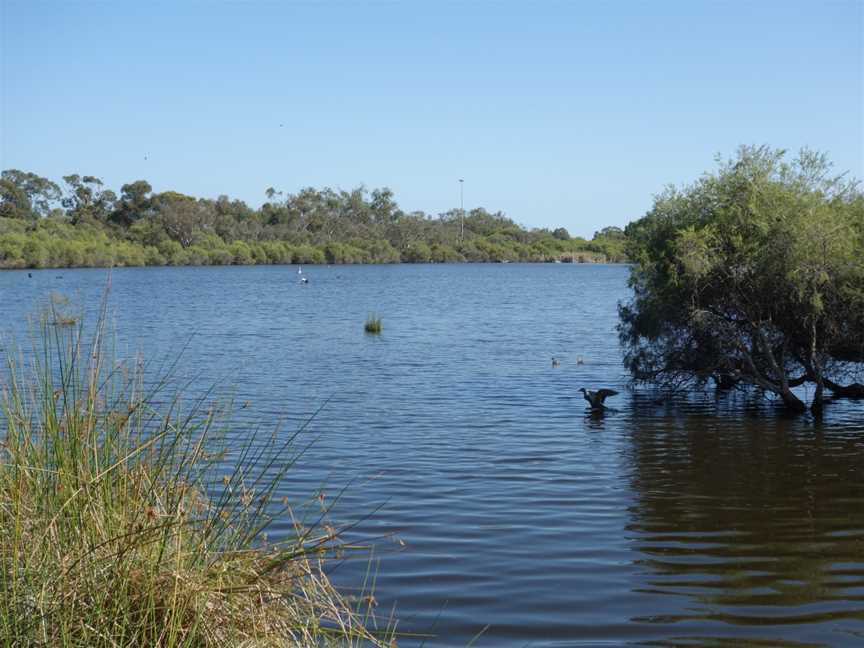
750,529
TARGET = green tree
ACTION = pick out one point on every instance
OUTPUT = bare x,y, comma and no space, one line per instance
611,232
86,199
134,203
26,195
753,275
13,201
183,217
384,208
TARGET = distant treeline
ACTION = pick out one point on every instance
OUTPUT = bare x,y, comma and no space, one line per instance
83,224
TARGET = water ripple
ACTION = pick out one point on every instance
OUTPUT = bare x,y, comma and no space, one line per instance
706,521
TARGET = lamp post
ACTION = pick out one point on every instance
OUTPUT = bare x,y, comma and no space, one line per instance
462,208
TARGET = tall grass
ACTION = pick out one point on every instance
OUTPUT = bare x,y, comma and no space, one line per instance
373,324
120,524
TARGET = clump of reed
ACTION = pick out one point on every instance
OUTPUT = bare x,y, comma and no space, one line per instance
66,320
58,309
373,324
122,523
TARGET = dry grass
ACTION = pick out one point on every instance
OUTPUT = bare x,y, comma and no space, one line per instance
122,524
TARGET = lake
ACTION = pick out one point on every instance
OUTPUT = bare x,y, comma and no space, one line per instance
710,521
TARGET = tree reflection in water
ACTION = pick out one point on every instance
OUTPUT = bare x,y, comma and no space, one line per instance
755,526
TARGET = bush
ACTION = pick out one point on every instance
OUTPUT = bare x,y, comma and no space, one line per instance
753,275
152,256
417,252
122,524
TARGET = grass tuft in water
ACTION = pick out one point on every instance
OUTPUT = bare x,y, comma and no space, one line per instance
123,524
373,324
57,309
65,320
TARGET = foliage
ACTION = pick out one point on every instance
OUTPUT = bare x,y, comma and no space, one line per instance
89,225
122,523
754,275
26,195
612,243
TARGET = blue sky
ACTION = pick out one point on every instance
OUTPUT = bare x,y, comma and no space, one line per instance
557,113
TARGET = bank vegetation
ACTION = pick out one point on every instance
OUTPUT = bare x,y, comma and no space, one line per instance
81,223
131,517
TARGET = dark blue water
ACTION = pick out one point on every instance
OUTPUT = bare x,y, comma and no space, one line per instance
708,522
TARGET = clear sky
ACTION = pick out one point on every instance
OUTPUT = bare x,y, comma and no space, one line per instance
557,113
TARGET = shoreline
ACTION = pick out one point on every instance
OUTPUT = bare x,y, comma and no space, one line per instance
313,265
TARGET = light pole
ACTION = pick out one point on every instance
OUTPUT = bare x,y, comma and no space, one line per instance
462,207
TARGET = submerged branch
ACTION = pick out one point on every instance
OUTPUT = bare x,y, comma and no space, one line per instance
855,390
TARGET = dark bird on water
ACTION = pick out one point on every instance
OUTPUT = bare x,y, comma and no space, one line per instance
555,362
596,398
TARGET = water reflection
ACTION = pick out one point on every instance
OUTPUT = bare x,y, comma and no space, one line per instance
751,528
596,419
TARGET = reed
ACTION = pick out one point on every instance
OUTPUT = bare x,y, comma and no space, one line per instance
58,310
122,523
373,324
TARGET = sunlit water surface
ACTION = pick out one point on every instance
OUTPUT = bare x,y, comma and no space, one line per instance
710,522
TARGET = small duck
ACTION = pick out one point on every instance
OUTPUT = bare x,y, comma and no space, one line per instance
555,363
580,360
596,398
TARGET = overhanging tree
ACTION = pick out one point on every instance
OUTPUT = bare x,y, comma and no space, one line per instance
753,275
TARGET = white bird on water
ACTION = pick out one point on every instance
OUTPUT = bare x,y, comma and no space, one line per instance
299,270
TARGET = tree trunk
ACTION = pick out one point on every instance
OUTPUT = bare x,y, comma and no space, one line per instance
791,401
818,398
779,382
816,369
724,381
